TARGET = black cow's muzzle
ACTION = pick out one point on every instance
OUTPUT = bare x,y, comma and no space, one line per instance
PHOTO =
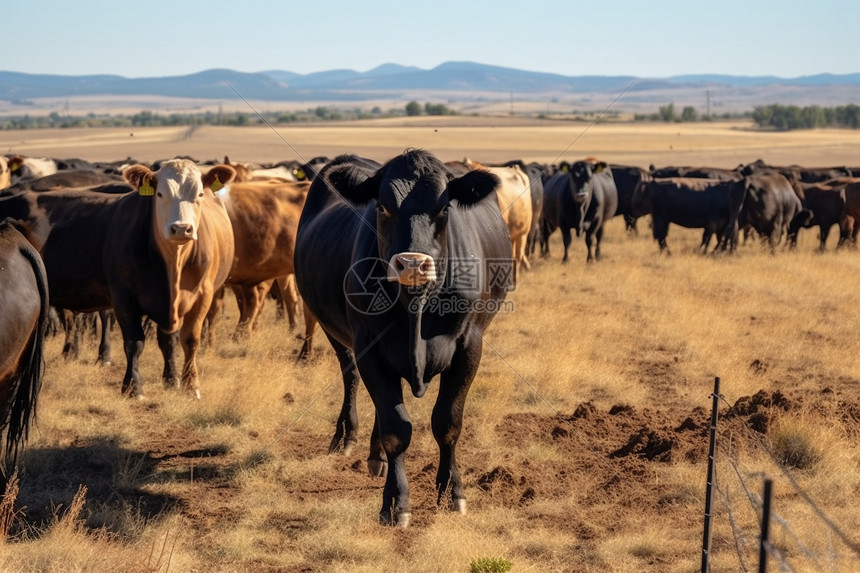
412,269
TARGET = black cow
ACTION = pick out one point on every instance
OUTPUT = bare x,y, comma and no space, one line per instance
717,173
107,182
714,206
404,266
23,321
627,180
823,205
582,198
769,207
309,170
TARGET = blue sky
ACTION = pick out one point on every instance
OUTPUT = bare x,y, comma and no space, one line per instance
615,37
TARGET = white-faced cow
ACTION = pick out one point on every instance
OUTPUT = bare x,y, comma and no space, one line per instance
159,252
27,168
405,266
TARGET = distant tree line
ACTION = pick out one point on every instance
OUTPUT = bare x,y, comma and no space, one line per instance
154,119
785,117
667,113
414,108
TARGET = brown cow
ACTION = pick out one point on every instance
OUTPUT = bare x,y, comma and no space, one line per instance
515,203
265,217
23,320
850,223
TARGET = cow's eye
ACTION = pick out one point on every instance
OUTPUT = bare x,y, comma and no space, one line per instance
443,213
159,194
382,210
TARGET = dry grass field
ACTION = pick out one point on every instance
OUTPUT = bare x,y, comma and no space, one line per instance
585,434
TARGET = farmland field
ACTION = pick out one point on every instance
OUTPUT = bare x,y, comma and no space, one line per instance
585,435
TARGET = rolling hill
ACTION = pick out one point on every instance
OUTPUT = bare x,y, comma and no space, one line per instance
390,81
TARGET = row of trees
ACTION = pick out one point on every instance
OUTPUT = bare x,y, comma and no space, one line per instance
414,108
153,119
688,113
785,117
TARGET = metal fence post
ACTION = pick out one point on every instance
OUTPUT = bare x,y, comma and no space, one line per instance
765,526
712,477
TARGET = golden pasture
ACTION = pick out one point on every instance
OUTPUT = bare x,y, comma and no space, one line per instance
585,435
489,139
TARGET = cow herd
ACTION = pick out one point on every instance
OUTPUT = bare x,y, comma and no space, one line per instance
403,264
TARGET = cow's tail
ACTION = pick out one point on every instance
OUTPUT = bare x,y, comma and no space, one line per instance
27,380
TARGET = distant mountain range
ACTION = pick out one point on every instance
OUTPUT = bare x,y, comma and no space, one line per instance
388,81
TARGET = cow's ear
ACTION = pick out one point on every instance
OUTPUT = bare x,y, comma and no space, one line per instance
218,176
15,163
354,183
472,187
600,167
139,176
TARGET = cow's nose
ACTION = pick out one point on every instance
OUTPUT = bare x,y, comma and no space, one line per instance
182,231
412,269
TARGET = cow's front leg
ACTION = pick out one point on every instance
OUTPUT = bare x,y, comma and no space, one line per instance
589,245
395,433
167,345
345,438
448,419
598,237
189,339
133,342
216,307
565,239
105,318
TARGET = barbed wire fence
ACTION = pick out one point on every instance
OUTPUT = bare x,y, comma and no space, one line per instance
756,524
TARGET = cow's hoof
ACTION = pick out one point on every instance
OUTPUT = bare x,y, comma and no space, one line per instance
458,506
197,394
377,468
171,384
340,446
402,520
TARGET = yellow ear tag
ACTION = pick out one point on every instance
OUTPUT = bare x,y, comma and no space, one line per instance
216,185
13,167
300,174
146,190
565,169
599,169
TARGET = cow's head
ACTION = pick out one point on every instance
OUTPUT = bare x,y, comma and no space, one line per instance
580,174
413,194
177,190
